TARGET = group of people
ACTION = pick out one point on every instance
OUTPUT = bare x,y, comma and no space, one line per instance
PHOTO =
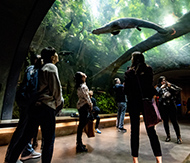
41,113
138,84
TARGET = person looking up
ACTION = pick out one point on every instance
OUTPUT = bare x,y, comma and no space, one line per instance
42,112
121,103
84,105
138,81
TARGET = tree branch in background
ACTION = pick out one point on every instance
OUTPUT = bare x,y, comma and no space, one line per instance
182,27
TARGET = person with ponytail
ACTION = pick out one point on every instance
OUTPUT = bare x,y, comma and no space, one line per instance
138,85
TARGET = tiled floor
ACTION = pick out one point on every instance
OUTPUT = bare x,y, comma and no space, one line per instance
114,147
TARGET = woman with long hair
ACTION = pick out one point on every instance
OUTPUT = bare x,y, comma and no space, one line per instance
83,105
138,85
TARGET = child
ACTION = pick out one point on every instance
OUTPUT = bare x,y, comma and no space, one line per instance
95,111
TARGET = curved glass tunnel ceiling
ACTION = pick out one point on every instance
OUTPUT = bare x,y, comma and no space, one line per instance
68,27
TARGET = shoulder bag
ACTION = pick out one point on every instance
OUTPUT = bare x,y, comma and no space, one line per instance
151,113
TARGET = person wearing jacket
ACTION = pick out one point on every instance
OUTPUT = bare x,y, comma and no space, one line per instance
138,85
28,152
121,103
166,92
42,112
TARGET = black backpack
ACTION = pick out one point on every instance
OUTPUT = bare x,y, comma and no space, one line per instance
27,92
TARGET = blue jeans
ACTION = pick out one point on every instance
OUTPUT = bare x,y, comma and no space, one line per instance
45,117
121,114
17,135
97,117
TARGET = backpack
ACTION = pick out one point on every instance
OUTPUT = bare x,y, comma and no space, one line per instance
27,92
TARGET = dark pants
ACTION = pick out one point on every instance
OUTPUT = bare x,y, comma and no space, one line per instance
45,117
97,117
35,139
134,112
170,112
83,112
17,135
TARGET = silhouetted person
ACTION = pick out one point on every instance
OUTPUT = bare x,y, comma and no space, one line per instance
121,103
43,111
166,92
28,152
138,82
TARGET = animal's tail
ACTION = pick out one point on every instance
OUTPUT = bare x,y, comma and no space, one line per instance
161,30
147,24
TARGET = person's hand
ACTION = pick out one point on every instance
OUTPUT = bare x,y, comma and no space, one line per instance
58,108
169,84
163,86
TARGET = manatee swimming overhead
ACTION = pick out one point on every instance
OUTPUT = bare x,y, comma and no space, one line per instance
115,26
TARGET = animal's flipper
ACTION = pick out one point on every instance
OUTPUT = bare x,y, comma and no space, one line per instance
138,28
115,32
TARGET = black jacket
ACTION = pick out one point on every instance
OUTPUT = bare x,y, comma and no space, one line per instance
120,95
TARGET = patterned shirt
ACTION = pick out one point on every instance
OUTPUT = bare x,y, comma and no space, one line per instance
83,95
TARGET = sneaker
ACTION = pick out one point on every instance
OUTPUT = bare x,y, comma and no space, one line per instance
98,131
18,161
33,155
122,130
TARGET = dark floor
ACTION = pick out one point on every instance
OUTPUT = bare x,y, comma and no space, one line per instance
114,147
